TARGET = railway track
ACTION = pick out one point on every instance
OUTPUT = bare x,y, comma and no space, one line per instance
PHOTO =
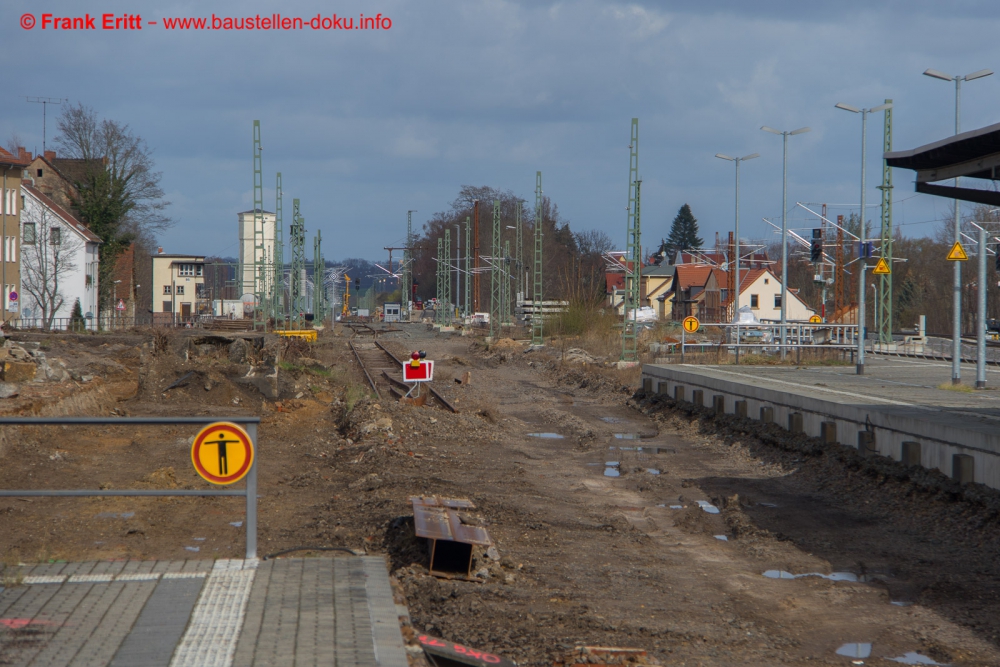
383,372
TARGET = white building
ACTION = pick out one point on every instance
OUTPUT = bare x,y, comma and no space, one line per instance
761,290
59,259
247,251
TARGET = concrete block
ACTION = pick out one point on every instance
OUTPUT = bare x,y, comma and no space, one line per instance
911,453
719,404
795,422
740,409
647,385
828,433
963,468
866,443
698,397
767,415
18,371
679,392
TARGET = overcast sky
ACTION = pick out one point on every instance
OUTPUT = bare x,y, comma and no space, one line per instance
364,125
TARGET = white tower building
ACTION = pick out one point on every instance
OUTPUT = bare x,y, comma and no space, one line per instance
265,254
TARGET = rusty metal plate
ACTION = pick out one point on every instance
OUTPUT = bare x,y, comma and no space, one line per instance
436,519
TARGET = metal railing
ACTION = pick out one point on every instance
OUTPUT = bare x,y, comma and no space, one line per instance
766,337
250,491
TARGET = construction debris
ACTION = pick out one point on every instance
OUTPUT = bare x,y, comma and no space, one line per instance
599,656
443,653
450,534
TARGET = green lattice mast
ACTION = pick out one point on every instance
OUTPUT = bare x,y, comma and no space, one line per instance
439,292
278,270
884,314
446,276
537,337
259,260
633,251
519,260
297,239
505,286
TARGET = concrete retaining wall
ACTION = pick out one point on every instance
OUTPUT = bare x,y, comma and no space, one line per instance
892,425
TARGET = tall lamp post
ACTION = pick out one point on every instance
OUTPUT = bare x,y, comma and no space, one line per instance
736,232
862,264
784,226
956,329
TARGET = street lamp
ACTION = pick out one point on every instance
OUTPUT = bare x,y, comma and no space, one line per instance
862,264
956,329
736,233
784,225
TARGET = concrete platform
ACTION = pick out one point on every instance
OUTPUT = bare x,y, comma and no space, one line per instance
897,401
313,611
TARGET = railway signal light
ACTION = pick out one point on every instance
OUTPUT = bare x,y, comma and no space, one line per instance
816,250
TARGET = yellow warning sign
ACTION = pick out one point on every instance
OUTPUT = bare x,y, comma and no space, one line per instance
882,268
691,324
222,453
957,253
815,319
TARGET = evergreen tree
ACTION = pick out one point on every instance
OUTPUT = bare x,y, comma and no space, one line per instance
683,233
76,320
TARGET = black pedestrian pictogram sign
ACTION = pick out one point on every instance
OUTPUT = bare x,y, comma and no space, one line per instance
222,453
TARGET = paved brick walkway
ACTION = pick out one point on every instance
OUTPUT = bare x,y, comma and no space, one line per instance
312,611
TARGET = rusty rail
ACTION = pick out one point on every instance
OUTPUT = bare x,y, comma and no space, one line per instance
371,381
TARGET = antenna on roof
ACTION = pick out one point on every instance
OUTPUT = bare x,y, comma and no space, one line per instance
45,101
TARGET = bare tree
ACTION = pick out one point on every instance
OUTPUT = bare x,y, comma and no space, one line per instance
120,197
47,251
14,141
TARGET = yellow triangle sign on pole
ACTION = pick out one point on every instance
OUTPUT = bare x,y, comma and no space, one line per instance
957,253
882,268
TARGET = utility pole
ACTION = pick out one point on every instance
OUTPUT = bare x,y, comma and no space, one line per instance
468,266
505,301
319,310
519,259
439,292
496,292
537,337
475,256
406,289
297,238
45,102
884,306
259,268
446,275
633,250
278,292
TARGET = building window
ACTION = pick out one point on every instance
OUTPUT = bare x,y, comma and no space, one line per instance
166,307
777,301
40,172
28,236
180,290
191,270
166,290
753,301
766,280
55,236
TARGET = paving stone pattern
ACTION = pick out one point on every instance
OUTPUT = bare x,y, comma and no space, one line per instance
313,611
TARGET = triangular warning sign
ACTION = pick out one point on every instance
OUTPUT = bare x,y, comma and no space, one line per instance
957,253
882,268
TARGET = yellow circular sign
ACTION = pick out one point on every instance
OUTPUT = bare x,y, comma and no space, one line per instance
222,453
815,319
691,324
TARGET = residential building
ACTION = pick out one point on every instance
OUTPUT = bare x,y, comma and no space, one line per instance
248,253
703,291
57,177
11,173
58,258
179,294
654,288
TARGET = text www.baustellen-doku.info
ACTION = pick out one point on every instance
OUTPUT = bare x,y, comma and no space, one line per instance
87,21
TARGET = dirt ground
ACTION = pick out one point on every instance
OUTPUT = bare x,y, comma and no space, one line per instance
584,557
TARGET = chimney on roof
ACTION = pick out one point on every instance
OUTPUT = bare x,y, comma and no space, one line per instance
159,251
50,155
23,154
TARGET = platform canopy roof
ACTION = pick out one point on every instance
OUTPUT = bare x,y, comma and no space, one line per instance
973,154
